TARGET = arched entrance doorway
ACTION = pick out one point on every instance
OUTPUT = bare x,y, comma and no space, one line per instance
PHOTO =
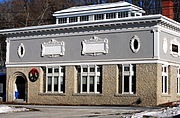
20,93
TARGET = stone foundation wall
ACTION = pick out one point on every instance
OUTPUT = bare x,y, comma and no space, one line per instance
147,87
172,86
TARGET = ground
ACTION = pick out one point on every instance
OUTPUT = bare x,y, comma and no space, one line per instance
39,111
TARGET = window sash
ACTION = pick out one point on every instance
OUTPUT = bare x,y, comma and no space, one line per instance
57,80
165,79
90,76
127,76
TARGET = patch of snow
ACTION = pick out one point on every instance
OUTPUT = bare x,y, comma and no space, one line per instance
164,112
7,109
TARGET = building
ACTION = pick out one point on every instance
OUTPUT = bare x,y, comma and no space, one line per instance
107,54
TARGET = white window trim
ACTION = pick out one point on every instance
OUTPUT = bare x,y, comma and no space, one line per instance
163,79
178,81
132,44
174,42
19,50
131,73
88,74
60,74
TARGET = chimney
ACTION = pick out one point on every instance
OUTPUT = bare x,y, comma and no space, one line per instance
168,8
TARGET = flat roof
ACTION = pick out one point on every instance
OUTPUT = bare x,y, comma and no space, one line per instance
91,8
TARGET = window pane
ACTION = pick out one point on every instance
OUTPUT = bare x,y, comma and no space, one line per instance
99,68
84,84
99,84
56,70
166,87
162,84
62,83
73,19
175,48
56,81
91,83
49,70
85,69
126,83
165,69
84,18
110,15
99,17
62,20
62,69
126,68
49,84
92,69
134,84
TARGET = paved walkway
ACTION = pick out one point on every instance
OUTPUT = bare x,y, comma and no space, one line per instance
73,112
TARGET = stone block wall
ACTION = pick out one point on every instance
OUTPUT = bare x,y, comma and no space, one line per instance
172,86
148,87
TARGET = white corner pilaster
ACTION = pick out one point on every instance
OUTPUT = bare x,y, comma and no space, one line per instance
7,50
156,43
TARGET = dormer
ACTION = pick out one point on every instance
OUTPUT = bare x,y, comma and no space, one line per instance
99,12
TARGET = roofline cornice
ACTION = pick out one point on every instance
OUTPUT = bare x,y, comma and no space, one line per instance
159,19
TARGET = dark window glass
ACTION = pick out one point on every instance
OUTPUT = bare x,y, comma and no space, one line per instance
22,49
162,84
110,15
99,68
132,14
84,18
62,69
62,84
50,84
73,19
85,69
175,48
134,84
99,84
136,44
126,83
126,68
84,84
91,83
56,83
49,70
62,20
165,84
92,69
99,17
56,70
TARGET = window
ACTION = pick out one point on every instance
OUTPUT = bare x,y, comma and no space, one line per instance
110,15
55,79
73,19
165,79
127,83
21,50
62,20
90,78
84,18
135,44
178,80
174,48
99,17
132,14
122,14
